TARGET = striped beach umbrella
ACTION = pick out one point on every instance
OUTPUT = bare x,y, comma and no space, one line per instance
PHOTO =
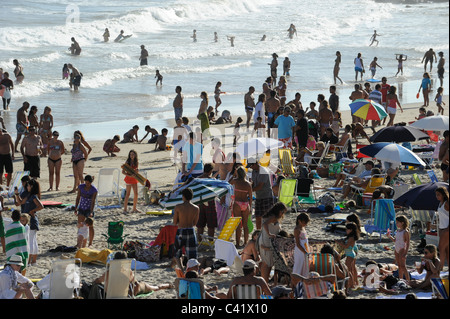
202,193
367,110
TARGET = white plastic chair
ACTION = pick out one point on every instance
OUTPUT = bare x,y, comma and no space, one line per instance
108,184
65,278
118,277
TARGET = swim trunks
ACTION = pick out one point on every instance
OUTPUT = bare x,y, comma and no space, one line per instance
21,129
6,163
33,165
186,238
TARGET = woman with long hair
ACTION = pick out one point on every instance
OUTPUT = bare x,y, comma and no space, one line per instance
242,206
337,67
79,157
392,102
55,150
131,182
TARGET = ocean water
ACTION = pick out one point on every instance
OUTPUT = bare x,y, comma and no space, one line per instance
117,93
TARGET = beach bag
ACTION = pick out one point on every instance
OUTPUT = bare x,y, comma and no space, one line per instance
148,254
327,199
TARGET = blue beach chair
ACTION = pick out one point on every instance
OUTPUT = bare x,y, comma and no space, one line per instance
382,217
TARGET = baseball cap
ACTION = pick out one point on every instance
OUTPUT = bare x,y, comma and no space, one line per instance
249,264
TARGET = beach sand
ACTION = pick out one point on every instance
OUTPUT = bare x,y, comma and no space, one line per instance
59,227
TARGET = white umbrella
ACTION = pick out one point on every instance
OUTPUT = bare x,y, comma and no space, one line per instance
256,146
432,123
392,153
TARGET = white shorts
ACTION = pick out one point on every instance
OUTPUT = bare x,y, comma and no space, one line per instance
34,249
391,110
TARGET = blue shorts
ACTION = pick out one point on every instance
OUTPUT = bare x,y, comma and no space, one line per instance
86,213
358,69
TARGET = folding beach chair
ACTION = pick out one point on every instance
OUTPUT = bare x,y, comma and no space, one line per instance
416,179
286,162
340,151
246,292
382,217
439,287
288,192
65,278
421,217
227,231
189,288
316,290
316,161
115,236
432,176
324,264
108,185
375,181
119,273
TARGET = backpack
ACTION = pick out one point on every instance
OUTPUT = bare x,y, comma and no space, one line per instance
327,199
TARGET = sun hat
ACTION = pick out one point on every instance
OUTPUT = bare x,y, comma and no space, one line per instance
15,260
192,263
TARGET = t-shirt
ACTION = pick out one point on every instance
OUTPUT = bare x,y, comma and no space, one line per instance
384,89
303,132
29,206
262,176
191,152
6,290
333,101
86,196
376,96
426,82
285,125
259,109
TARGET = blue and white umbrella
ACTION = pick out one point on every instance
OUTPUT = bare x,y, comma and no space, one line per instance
392,153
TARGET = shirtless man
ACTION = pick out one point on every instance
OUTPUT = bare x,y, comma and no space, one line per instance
373,38
144,55
178,103
249,104
356,94
428,57
224,168
440,67
273,67
31,149
272,106
6,156
22,123
325,118
186,217
249,278
131,136
296,102
75,48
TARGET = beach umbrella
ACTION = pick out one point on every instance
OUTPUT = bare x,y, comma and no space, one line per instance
432,123
367,110
258,145
392,153
204,191
422,197
398,134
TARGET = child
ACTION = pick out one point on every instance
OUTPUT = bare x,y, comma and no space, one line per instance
313,114
422,113
350,251
337,123
438,100
83,232
402,242
110,146
131,182
236,133
250,251
301,250
430,262
161,141
25,221
259,127
65,72
186,124
159,77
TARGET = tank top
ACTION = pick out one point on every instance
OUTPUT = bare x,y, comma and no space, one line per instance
77,154
358,63
443,216
303,238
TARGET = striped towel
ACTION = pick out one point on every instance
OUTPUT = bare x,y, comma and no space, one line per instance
15,240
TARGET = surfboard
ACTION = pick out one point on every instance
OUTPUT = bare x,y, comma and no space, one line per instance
373,80
123,38
159,212
141,179
49,203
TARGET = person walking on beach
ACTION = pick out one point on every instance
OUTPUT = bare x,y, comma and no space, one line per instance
18,71
75,48
260,109
202,114
333,100
373,38
373,66
186,216
106,35
144,55
400,61
6,156
337,63
217,93
359,66
425,85
249,104
392,102
178,103
440,68
131,182
428,57
22,123
31,149
55,150
8,84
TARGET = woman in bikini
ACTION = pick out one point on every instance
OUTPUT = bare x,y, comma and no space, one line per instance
131,182
83,141
79,157
336,69
32,117
55,149
217,96
242,202
18,71
46,125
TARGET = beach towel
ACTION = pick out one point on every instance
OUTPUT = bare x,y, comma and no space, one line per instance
283,254
88,255
222,214
15,241
204,122
225,250
166,239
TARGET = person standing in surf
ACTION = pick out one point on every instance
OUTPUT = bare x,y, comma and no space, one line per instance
336,69
359,67
400,60
75,48
273,67
144,55
106,35
373,66
18,71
